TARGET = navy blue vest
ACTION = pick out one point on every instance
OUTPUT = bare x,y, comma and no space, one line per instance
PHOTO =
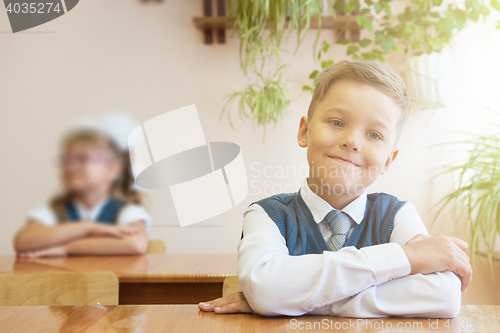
108,214
302,234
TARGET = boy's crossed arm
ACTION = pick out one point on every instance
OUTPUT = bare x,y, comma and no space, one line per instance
439,253
433,295
277,283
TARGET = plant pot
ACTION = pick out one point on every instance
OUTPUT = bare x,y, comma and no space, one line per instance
430,78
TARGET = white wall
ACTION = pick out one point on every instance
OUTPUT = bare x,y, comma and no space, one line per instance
150,59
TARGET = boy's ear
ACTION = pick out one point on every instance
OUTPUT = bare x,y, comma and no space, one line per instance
389,161
302,135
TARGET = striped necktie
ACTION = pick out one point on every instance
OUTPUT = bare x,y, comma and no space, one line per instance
340,223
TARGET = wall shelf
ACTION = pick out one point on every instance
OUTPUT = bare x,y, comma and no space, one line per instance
342,25
346,22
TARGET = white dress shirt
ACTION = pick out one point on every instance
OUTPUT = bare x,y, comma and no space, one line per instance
373,281
128,214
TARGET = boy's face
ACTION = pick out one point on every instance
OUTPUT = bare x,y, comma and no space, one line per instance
350,139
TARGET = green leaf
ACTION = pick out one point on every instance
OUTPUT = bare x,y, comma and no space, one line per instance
344,41
359,20
495,4
498,25
368,26
367,55
380,58
352,49
339,5
365,11
379,37
365,42
387,10
349,8
307,88
474,16
378,7
326,64
313,74
387,44
325,48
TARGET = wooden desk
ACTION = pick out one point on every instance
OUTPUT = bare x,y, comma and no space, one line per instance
148,279
187,318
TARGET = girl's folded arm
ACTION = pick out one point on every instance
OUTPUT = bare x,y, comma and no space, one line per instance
35,235
128,245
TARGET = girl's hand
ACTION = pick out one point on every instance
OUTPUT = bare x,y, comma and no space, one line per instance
100,230
128,230
57,251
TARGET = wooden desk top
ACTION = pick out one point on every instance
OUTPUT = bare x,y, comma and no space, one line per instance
187,318
149,268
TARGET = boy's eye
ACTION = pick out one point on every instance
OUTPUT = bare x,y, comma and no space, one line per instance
337,123
374,136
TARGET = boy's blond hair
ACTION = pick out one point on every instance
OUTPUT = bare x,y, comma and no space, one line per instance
374,73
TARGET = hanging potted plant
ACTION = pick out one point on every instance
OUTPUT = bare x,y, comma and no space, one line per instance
265,100
421,27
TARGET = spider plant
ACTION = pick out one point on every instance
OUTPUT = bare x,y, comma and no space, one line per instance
477,190
264,101
251,18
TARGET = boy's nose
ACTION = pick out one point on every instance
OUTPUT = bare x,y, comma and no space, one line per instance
352,147
351,142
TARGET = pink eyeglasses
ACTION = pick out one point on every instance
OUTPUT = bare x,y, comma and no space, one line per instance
83,158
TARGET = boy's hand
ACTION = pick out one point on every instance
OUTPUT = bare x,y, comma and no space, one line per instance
100,230
234,303
418,238
439,253
57,251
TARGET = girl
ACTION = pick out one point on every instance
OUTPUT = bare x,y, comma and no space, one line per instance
98,195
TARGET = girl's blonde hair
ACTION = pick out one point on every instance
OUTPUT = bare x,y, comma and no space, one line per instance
373,73
122,188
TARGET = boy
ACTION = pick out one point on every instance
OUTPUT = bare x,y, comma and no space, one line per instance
331,248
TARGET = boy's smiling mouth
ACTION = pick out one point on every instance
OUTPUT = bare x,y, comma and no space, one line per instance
344,160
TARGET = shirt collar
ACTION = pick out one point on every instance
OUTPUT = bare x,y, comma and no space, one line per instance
319,207
90,214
